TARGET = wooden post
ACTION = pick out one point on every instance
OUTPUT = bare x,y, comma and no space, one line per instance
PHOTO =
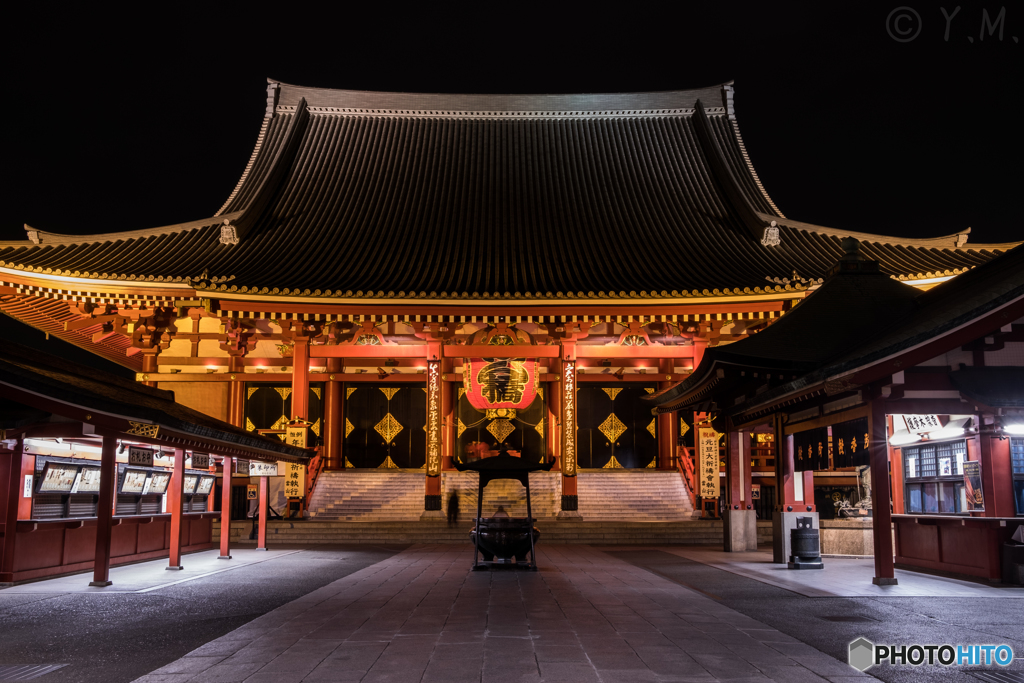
225,508
554,403
449,416
996,476
175,495
149,365
881,516
105,512
263,511
666,425
236,392
333,417
570,492
10,509
432,489
300,377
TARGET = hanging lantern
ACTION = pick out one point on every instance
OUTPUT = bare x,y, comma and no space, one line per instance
492,383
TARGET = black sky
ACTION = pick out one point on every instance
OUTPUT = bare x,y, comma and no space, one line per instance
118,122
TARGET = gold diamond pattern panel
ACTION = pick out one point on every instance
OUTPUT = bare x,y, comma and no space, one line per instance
612,393
653,428
250,391
390,391
349,391
461,428
388,428
612,428
281,423
284,391
501,428
493,413
683,427
249,426
349,427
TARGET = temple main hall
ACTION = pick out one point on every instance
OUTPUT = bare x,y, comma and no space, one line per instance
422,280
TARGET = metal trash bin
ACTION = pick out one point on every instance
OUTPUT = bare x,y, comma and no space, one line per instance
805,545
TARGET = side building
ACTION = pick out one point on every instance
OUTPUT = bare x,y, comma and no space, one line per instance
422,277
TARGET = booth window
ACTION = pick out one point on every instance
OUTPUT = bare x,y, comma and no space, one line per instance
1017,457
934,478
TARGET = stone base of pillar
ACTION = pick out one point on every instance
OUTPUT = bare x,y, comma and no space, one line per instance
569,515
432,502
739,530
884,581
98,584
782,524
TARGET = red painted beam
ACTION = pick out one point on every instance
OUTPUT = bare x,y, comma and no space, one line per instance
382,352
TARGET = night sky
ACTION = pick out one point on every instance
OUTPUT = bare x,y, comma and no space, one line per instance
117,127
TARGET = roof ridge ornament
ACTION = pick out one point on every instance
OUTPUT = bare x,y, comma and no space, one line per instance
228,233
771,236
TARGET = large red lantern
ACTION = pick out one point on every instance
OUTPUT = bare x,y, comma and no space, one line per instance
492,383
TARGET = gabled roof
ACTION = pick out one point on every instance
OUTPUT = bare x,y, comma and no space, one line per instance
877,330
72,384
411,196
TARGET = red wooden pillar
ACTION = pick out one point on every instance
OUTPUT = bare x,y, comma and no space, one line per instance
333,417
666,421
10,497
737,470
236,391
300,377
432,489
175,495
228,466
554,403
996,476
105,512
449,416
568,451
878,454
699,346
264,510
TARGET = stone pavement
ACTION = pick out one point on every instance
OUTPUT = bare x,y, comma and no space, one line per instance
421,615
842,577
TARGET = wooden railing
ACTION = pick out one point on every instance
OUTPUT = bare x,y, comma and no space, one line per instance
316,466
684,463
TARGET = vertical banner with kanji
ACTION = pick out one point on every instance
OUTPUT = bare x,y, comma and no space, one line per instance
294,479
972,486
707,448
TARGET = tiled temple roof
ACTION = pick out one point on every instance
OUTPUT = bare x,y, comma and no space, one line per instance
390,195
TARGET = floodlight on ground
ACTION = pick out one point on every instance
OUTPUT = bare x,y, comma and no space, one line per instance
1015,429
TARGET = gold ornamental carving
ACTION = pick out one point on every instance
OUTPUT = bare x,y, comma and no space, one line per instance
501,428
495,413
249,426
316,391
388,428
460,428
315,427
613,464
142,429
390,391
250,391
649,390
540,428
349,427
388,464
612,393
281,423
653,428
612,428
349,391
285,392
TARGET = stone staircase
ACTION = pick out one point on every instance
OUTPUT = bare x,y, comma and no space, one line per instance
545,494
633,496
368,496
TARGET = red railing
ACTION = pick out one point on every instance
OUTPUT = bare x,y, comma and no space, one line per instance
684,463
